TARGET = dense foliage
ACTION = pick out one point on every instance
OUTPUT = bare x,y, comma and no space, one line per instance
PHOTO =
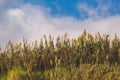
87,57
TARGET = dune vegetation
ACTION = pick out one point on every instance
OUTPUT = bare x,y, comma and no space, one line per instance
87,57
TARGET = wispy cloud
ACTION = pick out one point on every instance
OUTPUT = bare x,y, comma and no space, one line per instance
101,10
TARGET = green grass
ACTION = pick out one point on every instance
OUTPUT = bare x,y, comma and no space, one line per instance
83,72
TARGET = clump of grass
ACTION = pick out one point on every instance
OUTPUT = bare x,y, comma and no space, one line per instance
18,74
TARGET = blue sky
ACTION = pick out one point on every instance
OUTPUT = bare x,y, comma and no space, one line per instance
69,7
32,19
59,7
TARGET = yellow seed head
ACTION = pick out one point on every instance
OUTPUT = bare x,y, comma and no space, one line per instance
59,62
107,56
51,62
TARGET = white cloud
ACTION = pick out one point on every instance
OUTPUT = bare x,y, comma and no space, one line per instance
101,10
10,3
32,22
87,10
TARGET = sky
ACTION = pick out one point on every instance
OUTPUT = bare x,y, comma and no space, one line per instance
32,19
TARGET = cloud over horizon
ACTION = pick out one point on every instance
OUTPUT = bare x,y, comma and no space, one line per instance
33,21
